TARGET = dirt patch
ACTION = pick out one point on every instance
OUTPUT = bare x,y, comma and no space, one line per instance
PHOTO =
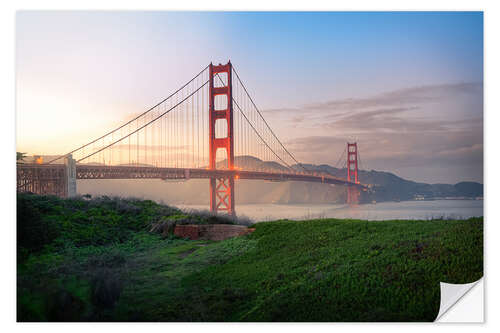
211,231
419,251
186,253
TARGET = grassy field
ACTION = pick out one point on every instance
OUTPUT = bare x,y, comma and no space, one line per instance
96,260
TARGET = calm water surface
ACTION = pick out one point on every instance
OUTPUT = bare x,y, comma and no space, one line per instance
381,211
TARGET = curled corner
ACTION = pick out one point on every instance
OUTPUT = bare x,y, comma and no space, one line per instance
451,294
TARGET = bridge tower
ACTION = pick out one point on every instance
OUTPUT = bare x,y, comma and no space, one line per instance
352,173
221,187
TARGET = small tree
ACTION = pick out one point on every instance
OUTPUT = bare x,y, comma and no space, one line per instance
20,157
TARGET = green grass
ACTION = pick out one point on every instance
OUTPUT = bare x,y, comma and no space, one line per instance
319,270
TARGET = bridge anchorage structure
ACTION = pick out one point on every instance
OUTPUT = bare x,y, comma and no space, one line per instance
209,128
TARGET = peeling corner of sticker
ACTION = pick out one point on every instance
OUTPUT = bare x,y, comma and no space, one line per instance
451,295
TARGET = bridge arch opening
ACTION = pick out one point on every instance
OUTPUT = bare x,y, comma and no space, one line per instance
221,159
221,129
220,102
221,80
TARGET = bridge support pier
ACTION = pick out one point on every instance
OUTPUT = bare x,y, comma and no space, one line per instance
48,179
70,164
222,194
352,195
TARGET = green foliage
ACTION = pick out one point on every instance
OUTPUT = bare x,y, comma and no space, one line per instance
94,260
54,223
339,270
34,231
20,156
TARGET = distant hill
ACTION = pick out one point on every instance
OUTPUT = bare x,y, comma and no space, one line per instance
469,189
253,163
386,186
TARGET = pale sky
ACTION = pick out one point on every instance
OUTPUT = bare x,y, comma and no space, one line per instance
408,87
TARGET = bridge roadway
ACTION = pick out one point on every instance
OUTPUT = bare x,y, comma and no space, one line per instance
85,171
145,172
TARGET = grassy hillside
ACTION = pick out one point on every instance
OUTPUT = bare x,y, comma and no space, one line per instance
95,260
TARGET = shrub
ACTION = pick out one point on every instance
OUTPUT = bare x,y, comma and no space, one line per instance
105,288
208,217
34,230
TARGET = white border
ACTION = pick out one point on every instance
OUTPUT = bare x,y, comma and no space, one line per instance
467,307
492,110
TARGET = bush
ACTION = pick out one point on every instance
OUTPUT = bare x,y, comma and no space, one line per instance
208,217
81,221
34,230
105,289
84,221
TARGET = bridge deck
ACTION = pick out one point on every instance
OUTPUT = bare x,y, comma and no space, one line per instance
138,172
27,174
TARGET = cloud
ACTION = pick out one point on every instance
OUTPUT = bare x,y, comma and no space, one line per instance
297,119
408,96
397,152
311,144
398,120
392,120
412,132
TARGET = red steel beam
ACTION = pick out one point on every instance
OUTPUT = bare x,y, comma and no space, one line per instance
352,173
217,196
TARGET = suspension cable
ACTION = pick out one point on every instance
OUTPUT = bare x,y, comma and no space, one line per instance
142,114
143,126
341,157
272,132
241,111
359,157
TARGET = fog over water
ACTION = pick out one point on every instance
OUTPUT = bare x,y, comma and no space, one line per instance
254,199
457,209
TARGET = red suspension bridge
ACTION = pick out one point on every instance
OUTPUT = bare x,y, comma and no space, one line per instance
206,129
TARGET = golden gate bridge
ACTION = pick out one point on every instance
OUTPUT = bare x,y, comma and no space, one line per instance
205,129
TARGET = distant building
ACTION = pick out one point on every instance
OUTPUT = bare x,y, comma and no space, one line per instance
40,159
